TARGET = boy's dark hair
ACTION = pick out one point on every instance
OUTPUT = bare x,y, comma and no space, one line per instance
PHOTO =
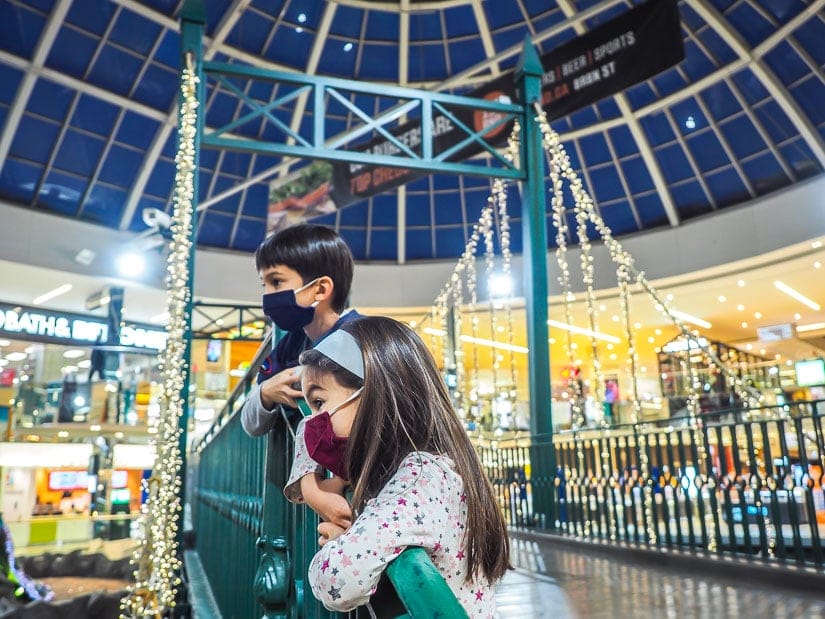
313,251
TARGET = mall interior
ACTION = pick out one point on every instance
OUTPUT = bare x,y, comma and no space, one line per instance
624,297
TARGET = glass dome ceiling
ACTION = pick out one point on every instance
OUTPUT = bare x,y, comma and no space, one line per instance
88,89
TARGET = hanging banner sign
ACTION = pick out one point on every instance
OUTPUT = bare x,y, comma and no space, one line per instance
630,48
626,50
39,325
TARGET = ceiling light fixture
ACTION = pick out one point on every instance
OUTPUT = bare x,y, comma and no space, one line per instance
435,332
581,331
814,326
493,344
16,356
691,319
52,294
797,295
85,257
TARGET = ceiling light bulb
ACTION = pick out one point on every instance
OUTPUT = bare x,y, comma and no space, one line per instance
757,315
740,307
797,316
741,283
722,298
130,265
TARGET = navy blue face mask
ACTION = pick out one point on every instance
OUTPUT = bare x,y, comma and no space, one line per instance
282,309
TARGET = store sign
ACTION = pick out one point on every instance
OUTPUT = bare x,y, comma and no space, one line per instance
775,333
76,329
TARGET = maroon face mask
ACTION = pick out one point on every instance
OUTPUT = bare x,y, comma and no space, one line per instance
323,445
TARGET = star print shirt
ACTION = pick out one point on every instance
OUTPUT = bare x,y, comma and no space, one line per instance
422,505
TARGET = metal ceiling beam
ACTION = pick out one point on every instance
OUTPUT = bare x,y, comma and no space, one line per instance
24,90
84,87
773,85
312,64
638,134
228,21
403,78
394,6
484,33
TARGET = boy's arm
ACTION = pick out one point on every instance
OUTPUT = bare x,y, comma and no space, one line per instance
260,407
256,419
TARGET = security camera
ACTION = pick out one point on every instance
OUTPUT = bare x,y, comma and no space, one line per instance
156,218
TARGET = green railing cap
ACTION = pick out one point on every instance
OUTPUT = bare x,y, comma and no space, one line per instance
421,587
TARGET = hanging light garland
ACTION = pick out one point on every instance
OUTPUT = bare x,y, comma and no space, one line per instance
465,274
506,255
560,222
156,559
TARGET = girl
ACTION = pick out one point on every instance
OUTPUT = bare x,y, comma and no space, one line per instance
382,418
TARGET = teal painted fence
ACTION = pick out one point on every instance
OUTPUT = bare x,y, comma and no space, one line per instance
744,482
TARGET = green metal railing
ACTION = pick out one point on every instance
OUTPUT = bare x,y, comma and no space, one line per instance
255,546
742,481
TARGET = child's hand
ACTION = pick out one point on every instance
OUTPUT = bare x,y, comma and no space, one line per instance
280,389
328,532
325,497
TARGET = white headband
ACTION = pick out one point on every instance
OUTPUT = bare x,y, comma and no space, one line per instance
341,347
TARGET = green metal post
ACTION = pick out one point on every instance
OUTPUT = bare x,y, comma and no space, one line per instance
534,226
193,19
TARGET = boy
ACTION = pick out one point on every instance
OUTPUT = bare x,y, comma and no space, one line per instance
306,272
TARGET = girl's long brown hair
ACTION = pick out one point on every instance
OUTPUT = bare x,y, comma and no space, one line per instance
405,407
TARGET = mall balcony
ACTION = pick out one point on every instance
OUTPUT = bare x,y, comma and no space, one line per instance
620,159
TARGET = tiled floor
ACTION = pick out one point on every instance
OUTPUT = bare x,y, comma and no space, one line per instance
563,582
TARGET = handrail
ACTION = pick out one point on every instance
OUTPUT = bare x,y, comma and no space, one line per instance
421,588
239,391
239,495
740,482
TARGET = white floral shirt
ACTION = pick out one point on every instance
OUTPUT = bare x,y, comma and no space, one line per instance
422,505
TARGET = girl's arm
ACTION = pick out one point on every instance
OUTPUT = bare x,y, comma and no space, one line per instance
411,510
302,465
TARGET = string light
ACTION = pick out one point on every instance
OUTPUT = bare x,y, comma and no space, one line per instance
156,559
560,221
